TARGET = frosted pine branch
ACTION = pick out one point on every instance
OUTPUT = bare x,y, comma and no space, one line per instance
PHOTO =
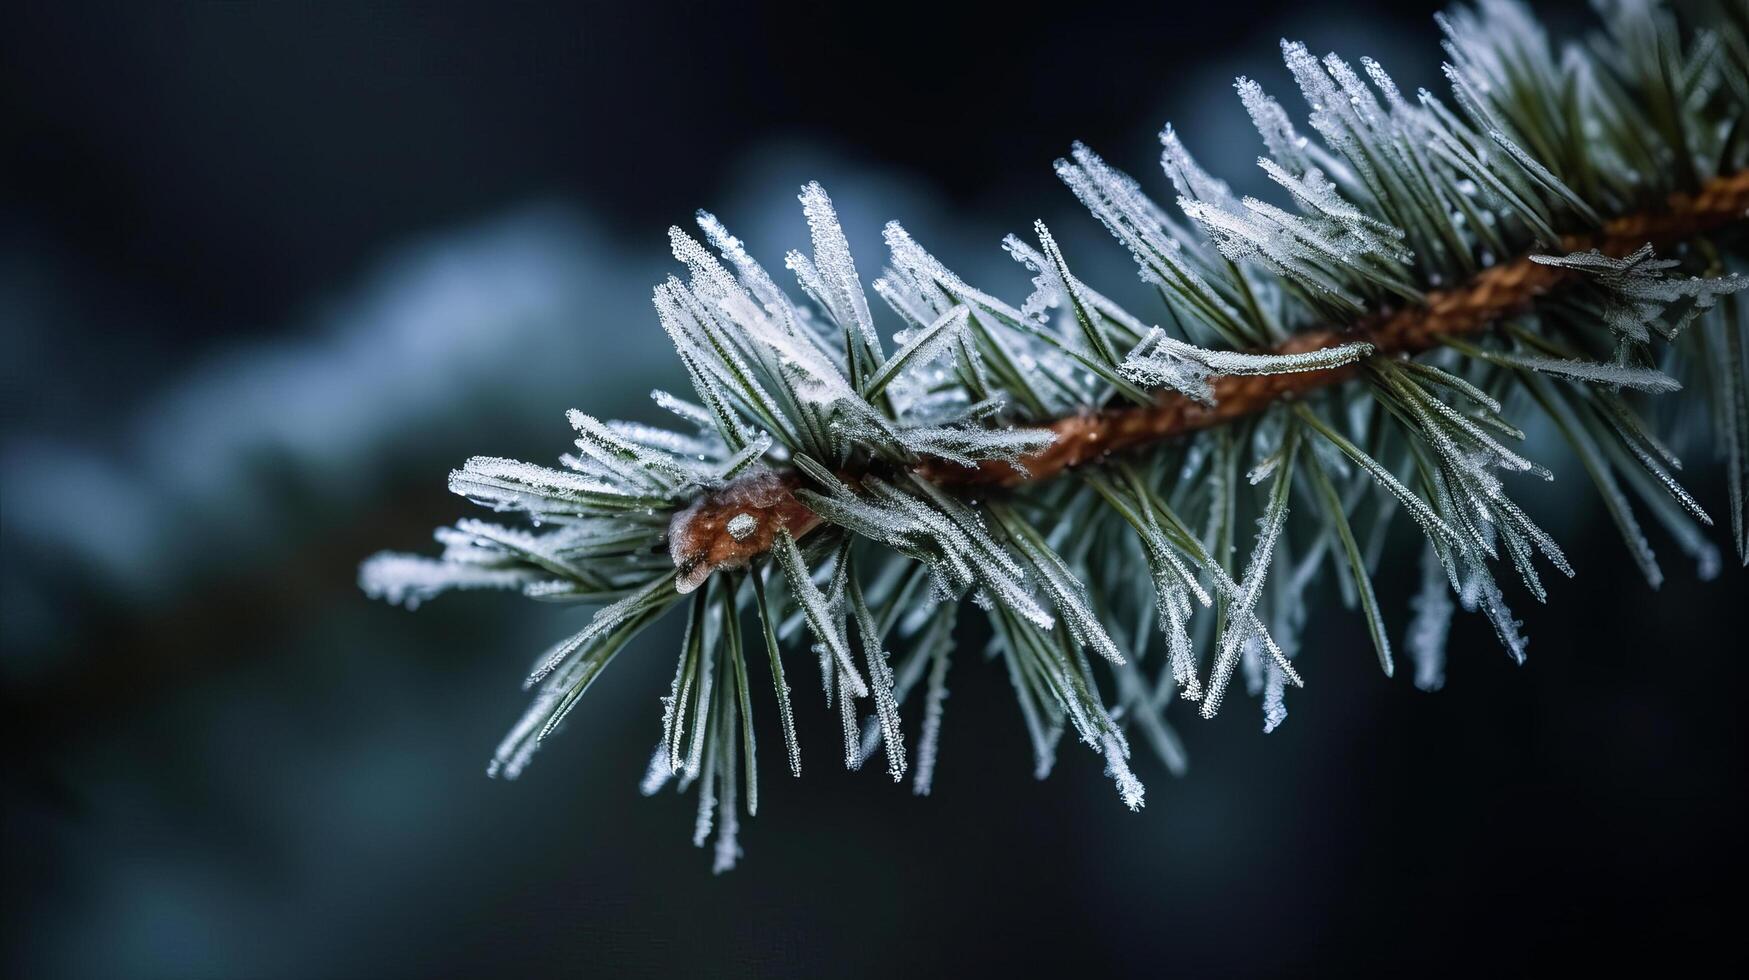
1564,238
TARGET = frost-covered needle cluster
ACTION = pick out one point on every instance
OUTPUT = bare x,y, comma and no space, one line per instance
879,473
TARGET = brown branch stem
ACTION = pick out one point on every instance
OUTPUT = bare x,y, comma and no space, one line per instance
700,542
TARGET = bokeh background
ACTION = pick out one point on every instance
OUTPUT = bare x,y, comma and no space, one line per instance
267,271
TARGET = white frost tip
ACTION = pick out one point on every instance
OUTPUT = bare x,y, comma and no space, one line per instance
408,580
1117,766
658,774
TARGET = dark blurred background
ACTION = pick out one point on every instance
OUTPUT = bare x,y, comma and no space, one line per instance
267,271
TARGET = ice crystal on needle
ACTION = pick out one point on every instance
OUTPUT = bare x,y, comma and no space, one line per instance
1366,342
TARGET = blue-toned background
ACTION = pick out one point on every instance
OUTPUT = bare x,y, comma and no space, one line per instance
267,272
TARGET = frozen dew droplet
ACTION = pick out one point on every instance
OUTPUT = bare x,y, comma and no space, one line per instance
742,526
